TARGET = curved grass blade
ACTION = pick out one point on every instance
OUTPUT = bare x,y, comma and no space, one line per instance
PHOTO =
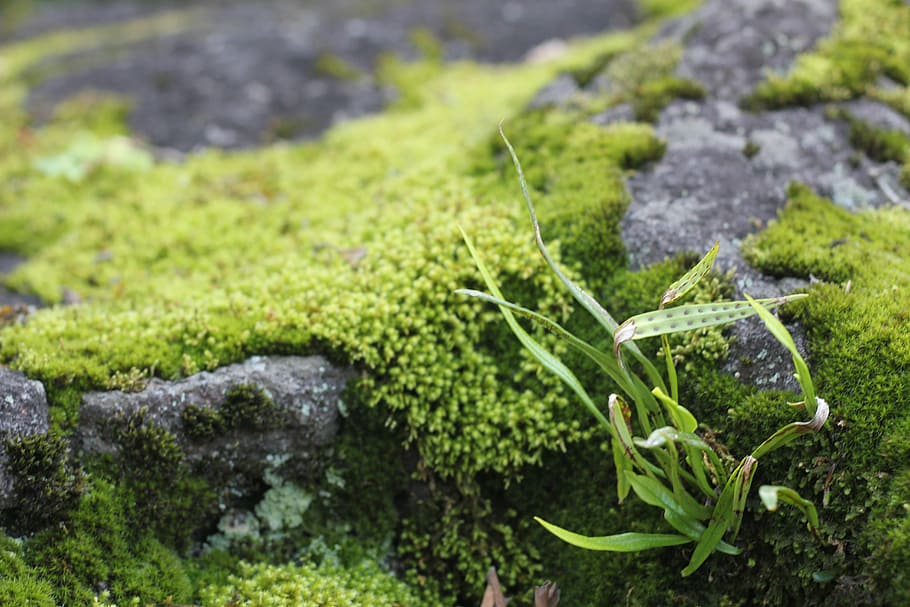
779,331
581,296
622,542
741,492
543,356
793,431
606,363
772,495
691,316
681,417
667,434
688,280
721,518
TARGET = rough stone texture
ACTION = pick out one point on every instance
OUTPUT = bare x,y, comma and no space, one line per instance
707,188
306,389
247,73
23,412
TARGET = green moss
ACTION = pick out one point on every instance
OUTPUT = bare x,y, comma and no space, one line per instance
855,323
869,41
881,145
167,497
248,406
188,267
336,67
201,423
304,586
100,548
47,484
655,95
19,583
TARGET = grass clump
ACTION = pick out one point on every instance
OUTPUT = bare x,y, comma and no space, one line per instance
653,467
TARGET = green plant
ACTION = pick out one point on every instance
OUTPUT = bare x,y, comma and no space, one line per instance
674,468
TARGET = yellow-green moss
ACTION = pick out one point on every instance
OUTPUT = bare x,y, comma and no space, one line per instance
306,586
346,246
871,40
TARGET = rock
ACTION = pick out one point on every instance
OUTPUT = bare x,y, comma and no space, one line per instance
725,171
23,412
229,446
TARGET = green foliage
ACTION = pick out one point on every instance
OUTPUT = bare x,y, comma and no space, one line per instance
365,585
881,145
869,41
248,406
19,583
100,547
201,423
47,484
661,479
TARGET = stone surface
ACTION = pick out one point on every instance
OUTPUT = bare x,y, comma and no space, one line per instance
243,74
23,412
307,390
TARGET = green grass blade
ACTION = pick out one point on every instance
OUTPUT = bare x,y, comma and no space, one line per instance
681,417
623,468
779,331
668,434
689,317
671,367
793,431
772,495
741,493
690,278
581,296
607,363
543,356
721,518
623,542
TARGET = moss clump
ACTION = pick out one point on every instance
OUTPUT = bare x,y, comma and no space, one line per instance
101,548
47,484
248,406
167,497
653,96
870,41
201,423
881,145
19,583
307,586
855,323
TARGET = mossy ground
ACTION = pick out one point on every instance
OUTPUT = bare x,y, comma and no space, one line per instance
348,246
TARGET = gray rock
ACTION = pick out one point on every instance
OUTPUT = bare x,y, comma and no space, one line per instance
559,92
306,390
23,412
708,188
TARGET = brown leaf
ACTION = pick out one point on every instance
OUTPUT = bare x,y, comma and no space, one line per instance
546,595
493,596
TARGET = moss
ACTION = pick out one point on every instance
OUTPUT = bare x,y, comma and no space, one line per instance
881,145
168,498
305,586
47,484
99,548
19,583
188,267
336,67
855,324
248,406
751,149
655,95
870,41
201,423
